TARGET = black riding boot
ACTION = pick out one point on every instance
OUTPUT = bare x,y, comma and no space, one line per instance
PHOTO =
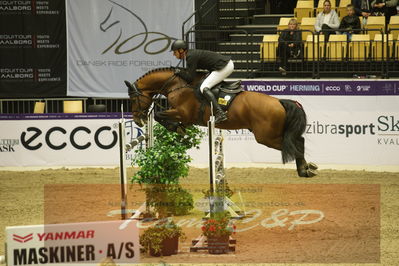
220,115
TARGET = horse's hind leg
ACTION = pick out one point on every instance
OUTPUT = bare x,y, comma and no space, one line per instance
304,169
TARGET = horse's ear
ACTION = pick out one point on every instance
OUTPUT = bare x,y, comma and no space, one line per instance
128,84
133,90
130,87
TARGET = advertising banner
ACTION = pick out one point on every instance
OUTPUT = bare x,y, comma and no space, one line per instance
335,87
72,244
52,141
340,130
32,48
110,41
361,130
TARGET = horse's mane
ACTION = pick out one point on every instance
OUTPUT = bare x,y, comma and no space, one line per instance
156,70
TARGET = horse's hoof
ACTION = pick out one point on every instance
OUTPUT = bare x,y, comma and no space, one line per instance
312,166
302,173
307,173
311,172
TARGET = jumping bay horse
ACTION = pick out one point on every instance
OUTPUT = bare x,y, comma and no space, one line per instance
276,123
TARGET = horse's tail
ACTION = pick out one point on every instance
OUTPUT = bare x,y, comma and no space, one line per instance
295,125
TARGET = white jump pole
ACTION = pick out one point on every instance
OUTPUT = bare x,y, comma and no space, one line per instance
216,160
218,201
122,165
123,148
150,129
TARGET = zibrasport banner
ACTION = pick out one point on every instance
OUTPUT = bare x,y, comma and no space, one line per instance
110,41
362,130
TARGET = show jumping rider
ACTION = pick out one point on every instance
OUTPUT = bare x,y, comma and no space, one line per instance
219,66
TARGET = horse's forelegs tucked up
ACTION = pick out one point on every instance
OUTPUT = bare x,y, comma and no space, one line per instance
171,115
167,119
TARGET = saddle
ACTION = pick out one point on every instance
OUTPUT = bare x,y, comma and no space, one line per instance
224,92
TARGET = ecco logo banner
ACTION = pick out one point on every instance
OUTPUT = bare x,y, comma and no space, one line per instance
72,142
35,133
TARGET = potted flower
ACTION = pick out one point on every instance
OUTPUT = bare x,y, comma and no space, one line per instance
218,231
162,239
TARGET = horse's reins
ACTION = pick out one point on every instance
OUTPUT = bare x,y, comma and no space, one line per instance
136,93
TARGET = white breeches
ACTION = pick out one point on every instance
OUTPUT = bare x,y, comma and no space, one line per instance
217,76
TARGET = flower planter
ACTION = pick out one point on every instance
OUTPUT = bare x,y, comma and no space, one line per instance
218,245
170,247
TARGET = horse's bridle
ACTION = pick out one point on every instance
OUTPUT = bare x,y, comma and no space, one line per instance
135,93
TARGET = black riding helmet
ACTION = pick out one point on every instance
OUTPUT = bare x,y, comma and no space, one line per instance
178,44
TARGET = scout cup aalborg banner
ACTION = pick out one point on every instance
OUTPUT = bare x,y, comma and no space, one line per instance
32,48
110,41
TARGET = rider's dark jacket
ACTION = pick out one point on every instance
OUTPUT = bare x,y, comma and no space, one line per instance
202,59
